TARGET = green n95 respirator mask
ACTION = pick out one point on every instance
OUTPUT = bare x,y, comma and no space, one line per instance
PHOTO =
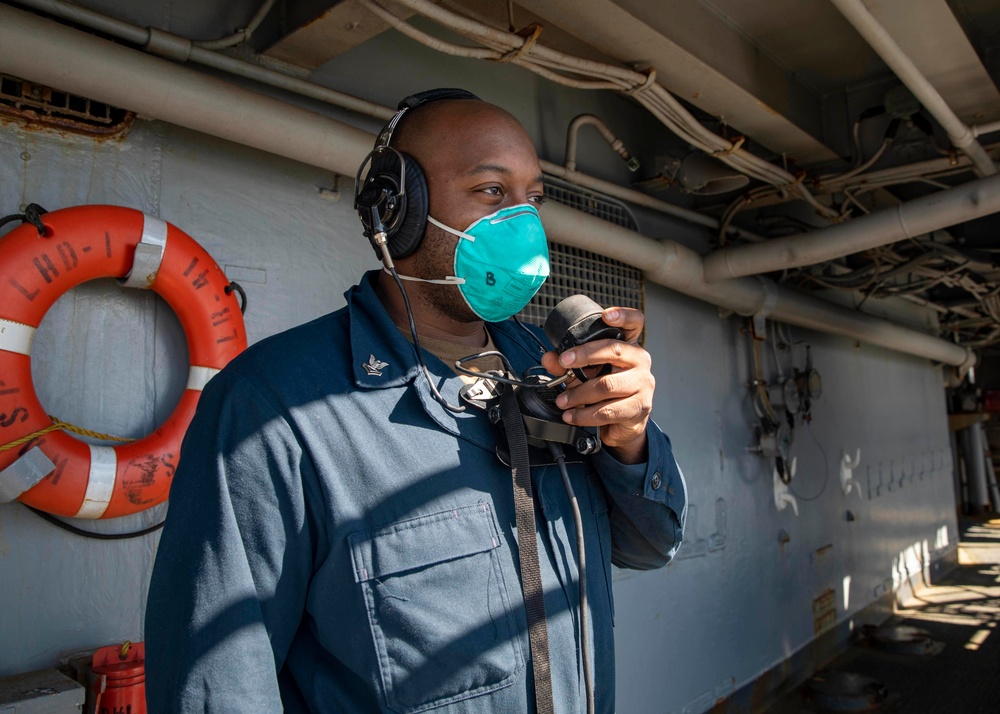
501,261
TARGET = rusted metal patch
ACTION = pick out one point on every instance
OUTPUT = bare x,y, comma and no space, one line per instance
824,611
37,106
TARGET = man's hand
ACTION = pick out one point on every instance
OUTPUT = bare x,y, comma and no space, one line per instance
620,402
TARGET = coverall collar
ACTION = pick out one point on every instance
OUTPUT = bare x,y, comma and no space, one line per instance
382,357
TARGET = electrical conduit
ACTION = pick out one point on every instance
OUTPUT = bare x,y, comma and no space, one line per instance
908,220
84,64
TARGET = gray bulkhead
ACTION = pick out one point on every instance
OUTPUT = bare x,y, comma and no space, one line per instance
738,599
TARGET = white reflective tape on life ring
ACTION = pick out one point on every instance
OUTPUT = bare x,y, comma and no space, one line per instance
15,337
101,482
24,473
154,231
199,376
148,254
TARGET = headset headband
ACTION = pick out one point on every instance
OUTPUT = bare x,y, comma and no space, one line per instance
412,102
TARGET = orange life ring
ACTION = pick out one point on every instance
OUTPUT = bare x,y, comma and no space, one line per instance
81,244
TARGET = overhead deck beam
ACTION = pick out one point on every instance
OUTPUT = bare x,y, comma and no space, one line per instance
728,77
930,34
868,26
326,31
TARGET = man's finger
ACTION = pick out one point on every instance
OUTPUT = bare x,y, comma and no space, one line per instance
613,352
550,361
617,385
628,319
622,413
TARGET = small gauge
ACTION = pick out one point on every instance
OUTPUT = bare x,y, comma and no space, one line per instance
790,393
814,384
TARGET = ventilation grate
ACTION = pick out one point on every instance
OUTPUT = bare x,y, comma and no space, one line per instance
39,104
596,204
573,270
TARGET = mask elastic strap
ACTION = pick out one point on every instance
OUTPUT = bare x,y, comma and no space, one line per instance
447,280
451,230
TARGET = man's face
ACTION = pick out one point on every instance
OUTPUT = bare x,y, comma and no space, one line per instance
477,160
481,162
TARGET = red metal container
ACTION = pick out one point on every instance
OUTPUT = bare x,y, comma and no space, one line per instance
120,684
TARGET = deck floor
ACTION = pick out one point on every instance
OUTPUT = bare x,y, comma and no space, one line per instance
962,613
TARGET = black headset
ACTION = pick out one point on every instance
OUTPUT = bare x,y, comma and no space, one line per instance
392,198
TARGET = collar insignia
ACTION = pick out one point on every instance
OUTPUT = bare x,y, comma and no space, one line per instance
374,366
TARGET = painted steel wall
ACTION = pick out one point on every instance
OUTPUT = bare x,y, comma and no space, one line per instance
115,360
739,598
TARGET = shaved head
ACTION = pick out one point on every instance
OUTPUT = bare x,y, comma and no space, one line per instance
427,124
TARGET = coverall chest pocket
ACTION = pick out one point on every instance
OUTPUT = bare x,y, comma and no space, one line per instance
438,607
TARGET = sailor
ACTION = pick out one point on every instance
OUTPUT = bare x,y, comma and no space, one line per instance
341,539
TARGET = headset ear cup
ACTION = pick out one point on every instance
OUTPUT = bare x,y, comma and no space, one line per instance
406,238
404,215
398,211
375,194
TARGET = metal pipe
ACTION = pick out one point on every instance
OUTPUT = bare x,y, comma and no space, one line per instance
903,172
88,18
991,475
242,34
609,136
87,65
881,41
181,49
979,499
939,210
680,268
961,497
981,129
642,199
